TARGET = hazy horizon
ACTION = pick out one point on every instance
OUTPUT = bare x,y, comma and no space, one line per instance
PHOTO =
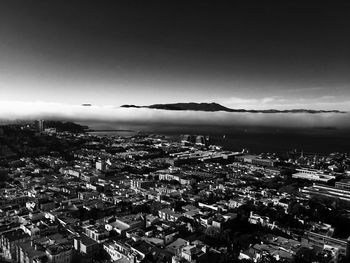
112,114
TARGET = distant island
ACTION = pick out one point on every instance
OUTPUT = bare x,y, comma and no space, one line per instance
212,107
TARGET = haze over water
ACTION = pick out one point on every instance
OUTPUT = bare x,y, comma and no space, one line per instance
256,139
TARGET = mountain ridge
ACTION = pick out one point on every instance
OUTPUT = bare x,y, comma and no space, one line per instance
214,107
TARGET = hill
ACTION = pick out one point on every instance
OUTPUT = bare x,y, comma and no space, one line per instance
212,107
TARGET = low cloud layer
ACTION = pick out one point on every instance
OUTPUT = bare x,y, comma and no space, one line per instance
10,110
282,103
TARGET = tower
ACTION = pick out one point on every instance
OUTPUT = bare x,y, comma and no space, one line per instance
39,125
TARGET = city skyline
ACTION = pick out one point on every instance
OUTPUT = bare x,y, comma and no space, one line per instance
262,57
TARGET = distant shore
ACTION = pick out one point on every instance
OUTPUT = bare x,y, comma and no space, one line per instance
110,130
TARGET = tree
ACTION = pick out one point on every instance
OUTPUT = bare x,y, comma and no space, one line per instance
213,232
267,258
305,255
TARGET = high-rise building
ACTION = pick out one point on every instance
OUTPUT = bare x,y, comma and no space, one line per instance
39,125
101,165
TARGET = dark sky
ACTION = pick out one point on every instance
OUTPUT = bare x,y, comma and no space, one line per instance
252,55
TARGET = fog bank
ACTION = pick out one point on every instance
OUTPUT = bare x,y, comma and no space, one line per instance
41,110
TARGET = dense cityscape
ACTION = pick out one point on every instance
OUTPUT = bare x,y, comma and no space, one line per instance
68,195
